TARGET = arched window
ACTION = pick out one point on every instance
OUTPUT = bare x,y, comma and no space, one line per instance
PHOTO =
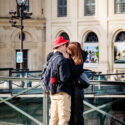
119,48
120,37
62,8
65,35
91,45
91,38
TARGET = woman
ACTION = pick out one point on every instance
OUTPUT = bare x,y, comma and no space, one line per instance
77,58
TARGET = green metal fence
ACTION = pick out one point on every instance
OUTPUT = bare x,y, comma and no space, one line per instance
112,91
22,92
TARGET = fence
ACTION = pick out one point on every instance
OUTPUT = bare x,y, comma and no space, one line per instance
98,89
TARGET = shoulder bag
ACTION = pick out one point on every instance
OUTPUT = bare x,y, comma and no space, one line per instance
83,81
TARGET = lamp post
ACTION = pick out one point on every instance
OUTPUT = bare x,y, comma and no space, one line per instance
21,4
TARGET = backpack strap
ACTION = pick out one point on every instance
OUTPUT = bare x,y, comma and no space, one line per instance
53,58
50,62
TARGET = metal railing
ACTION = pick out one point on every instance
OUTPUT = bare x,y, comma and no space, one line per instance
95,88
45,98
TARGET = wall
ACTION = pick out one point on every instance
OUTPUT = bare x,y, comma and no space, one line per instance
45,26
34,30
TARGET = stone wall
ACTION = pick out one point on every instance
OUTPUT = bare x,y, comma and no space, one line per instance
45,26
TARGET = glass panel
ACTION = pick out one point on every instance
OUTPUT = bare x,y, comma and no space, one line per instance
91,38
25,8
120,37
62,8
65,35
59,11
119,53
119,6
27,2
64,11
92,10
60,2
64,2
92,48
89,7
88,2
117,1
32,106
123,7
119,48
96,118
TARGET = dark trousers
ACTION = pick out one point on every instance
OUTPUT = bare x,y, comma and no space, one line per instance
77,107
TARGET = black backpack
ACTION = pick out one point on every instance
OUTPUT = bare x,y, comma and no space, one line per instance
46,75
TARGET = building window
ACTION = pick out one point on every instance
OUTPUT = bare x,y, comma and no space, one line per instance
91,46
119,6
119,48
65,35
62,8
89,7
91,38
25,60
25,8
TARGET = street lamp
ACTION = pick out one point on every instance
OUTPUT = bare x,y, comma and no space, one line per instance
21,4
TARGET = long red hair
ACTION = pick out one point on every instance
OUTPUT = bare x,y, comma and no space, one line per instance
75,50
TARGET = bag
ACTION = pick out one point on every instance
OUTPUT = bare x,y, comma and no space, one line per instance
83,81
46,75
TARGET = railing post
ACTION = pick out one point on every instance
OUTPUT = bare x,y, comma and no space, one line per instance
93,88
10,86
10,82
45,110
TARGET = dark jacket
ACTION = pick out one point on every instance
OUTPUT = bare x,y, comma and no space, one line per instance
76,71
77,97
60,75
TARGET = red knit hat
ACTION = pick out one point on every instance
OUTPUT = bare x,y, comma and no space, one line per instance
59,41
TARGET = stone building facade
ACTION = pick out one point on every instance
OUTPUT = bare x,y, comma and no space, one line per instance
34,30
98,25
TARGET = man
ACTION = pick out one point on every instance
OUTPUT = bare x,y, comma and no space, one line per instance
61,85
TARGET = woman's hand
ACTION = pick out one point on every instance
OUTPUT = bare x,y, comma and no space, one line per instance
65,54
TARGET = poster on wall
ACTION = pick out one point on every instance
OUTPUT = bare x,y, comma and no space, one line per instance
93,54
119,53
